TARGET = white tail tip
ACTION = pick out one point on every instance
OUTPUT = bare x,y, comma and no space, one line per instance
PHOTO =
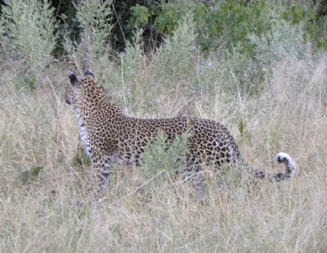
288,161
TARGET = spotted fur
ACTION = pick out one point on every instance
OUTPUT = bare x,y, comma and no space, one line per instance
109,136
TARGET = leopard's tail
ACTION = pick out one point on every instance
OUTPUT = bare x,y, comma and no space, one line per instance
289,172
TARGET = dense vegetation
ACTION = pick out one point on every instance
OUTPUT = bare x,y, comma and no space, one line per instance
259,67
233,20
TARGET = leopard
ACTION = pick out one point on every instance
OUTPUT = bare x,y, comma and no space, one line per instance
110,136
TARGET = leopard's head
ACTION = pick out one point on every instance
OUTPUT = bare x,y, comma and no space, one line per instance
79,87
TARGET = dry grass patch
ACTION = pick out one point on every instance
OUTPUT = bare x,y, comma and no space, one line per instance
53,210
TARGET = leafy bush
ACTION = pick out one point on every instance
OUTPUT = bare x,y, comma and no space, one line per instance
234,20
284,41
176,54
28,33
167,66
164,155
94,19
226,23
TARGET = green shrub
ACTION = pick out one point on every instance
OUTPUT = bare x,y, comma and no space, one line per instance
31,175
285,40
321,35
175,56
153,76
28,33
81,158
218,22
163,154
226,23
94,19
234,20
131,58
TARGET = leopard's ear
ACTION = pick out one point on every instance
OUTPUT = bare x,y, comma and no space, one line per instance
73,78
89,73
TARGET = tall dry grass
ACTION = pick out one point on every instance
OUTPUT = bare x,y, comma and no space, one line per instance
46,201
53,211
